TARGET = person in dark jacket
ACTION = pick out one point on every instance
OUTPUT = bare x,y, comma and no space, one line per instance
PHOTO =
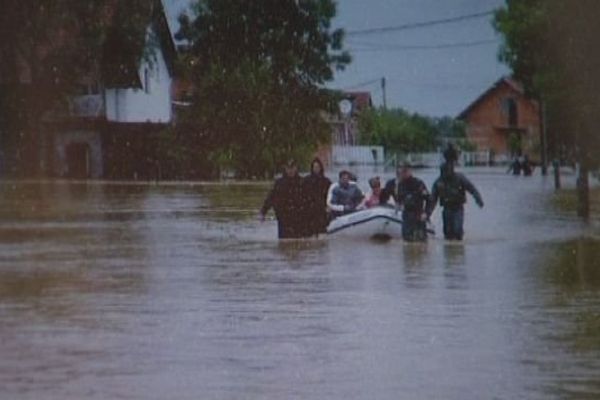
412,195
527,166
451,154
315,186
515,167
450,189
286,199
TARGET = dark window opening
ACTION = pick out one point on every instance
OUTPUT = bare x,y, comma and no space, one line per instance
78,161
511,111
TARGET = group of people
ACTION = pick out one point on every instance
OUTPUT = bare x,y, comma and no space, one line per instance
304,206
299,202
521,165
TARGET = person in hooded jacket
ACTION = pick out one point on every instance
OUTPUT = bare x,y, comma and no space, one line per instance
450,190
287,200
527,166
451,154
315,186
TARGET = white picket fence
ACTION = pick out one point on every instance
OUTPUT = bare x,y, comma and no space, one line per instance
374,155
434,159
418,159
478,158
357,155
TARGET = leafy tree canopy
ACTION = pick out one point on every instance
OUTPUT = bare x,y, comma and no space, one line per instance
551,46
401,131
54,43
257,68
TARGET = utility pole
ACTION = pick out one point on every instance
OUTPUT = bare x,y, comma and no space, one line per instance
543,137
383,90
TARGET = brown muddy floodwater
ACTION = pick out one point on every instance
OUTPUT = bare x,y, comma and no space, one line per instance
177,292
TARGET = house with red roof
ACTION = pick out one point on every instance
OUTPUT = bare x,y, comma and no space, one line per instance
504,121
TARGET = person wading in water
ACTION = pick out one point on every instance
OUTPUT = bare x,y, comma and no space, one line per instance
450,189
315,187
411,194
286,199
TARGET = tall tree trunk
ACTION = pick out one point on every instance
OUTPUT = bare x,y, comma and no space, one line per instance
39,100
556,167
583,191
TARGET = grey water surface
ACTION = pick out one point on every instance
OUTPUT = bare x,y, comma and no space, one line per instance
143,291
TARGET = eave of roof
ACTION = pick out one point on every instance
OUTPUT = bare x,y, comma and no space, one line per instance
360,99
502,81
121,62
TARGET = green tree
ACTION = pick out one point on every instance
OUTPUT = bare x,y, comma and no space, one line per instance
257,67
551,46
400,131
449,127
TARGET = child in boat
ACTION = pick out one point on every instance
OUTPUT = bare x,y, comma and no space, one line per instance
372,198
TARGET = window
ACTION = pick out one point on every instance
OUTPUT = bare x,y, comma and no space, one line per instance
509,108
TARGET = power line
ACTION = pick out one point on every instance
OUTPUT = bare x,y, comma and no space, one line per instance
411,82
416,25
384,47
363,84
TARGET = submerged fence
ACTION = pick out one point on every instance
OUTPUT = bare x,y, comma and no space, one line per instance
357,155
434,159
375,155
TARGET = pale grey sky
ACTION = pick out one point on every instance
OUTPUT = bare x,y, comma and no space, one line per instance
429,81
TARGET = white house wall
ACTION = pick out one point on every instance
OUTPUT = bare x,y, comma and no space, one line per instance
136,105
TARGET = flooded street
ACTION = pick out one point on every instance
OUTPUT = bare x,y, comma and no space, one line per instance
114,291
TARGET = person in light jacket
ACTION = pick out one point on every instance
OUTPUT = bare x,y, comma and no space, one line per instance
344,196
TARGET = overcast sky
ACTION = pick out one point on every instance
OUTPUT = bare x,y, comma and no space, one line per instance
433,81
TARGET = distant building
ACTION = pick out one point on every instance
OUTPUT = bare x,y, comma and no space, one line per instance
108,131
504,121
105,130
344,125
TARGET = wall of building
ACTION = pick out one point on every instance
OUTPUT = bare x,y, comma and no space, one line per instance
151,103
131,151
62,140
488,127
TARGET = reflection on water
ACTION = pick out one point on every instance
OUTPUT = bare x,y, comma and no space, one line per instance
177,291
576,267
565,327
